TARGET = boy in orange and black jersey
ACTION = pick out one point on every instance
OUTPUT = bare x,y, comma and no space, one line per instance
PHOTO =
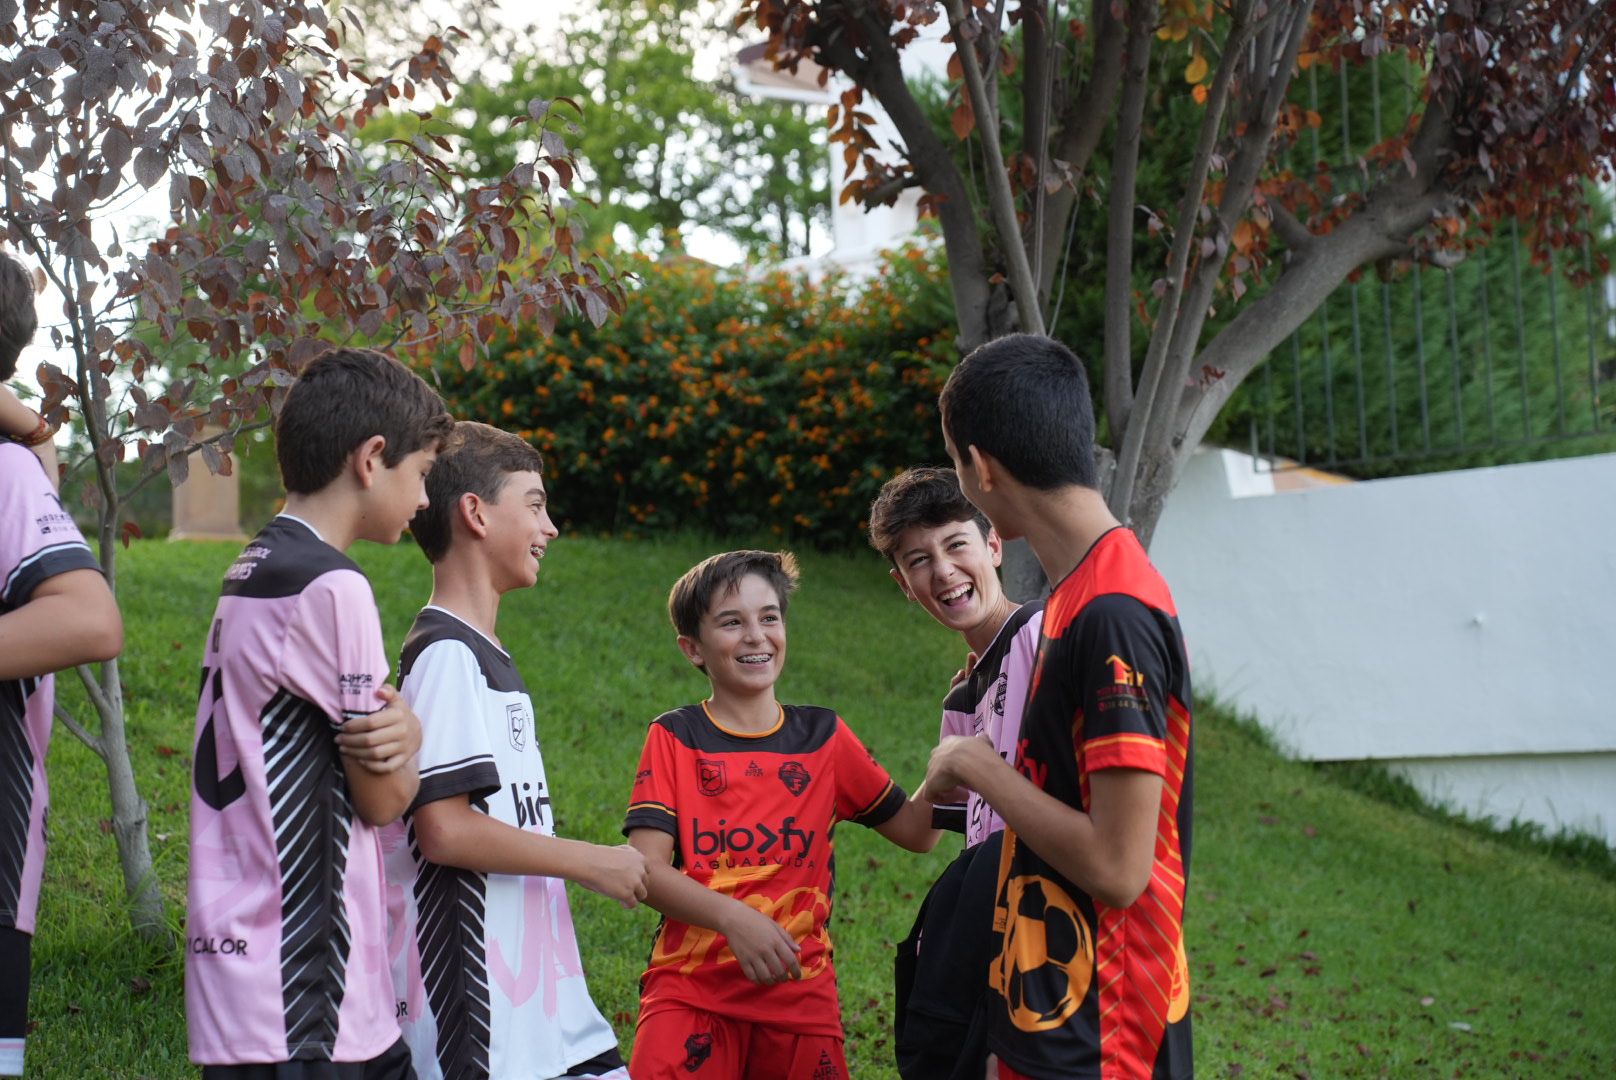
1091,980
733,806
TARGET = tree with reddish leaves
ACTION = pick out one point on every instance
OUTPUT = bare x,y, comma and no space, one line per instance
1515,116
283,236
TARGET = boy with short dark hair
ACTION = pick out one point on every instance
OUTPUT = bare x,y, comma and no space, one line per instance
733,806
945,557
55,611
1091,978
295,767
487,973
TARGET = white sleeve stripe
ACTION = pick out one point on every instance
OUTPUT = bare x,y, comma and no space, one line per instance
472,760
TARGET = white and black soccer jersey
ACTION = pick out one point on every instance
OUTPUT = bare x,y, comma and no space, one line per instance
485,966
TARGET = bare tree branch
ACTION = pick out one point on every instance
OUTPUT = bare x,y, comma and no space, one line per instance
80,732
1120,220
1295,235
1000,200
1083,121
1150,381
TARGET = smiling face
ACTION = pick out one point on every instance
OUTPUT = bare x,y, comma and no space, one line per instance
951,570
742,640
519,530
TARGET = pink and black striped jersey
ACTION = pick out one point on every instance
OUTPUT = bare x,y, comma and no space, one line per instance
286,956
38,540
988,702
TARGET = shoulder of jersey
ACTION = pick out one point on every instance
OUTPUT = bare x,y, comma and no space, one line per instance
806,729
282,560
1025,620
432,626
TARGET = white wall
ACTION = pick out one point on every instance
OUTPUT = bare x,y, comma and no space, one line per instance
1460,626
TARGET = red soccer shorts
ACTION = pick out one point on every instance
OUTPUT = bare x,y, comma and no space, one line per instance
689,1044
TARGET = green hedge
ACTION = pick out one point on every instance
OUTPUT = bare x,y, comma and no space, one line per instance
726,404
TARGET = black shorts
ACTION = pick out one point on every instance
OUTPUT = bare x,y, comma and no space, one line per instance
16,948
394,1064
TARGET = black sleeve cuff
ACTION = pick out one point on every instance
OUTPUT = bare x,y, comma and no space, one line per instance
948,818
477,780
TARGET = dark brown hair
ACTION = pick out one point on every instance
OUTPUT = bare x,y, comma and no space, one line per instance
476,459
693,594
18,321
925,496
344,397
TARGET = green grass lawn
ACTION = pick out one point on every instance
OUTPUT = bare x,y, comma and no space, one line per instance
1329,934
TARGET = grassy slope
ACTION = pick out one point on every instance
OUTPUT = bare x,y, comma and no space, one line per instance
1330,935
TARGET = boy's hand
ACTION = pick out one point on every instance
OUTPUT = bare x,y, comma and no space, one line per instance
618,872
383,741
766,952
965,672
952,761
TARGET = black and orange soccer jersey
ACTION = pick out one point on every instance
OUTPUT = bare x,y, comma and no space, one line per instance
1086,990
752,817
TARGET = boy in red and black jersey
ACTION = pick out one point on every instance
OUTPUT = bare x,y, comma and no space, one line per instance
734,805
1091,979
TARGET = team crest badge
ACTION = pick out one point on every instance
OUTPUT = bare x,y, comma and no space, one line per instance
710,774
517,720
698,1048
794,777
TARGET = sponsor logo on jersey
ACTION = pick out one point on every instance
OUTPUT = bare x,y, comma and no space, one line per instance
794,777
531,806
1126,690
61,521
698,1048
710,776
518,721
355,682
210,946
754,769
754,839
1123,674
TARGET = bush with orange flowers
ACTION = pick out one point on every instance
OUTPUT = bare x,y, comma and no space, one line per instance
726,404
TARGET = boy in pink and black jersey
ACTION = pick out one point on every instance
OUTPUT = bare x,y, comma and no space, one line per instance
55,611
296,764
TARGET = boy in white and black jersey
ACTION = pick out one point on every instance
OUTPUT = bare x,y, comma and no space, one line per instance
486,969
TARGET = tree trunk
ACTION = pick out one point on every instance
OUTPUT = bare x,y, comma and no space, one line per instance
129,822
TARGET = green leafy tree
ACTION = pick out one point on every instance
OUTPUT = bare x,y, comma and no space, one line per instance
662,151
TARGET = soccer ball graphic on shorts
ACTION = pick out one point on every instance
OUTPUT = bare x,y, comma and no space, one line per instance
1046,961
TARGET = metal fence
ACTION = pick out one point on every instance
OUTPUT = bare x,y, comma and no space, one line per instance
1489,362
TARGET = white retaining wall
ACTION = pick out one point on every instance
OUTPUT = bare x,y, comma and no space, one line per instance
1459,626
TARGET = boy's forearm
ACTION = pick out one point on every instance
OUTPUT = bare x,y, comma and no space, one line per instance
680,897
380,799
471,840
1111,864
911,827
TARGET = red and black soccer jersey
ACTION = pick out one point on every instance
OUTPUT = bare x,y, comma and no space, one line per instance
1086,990
752,817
